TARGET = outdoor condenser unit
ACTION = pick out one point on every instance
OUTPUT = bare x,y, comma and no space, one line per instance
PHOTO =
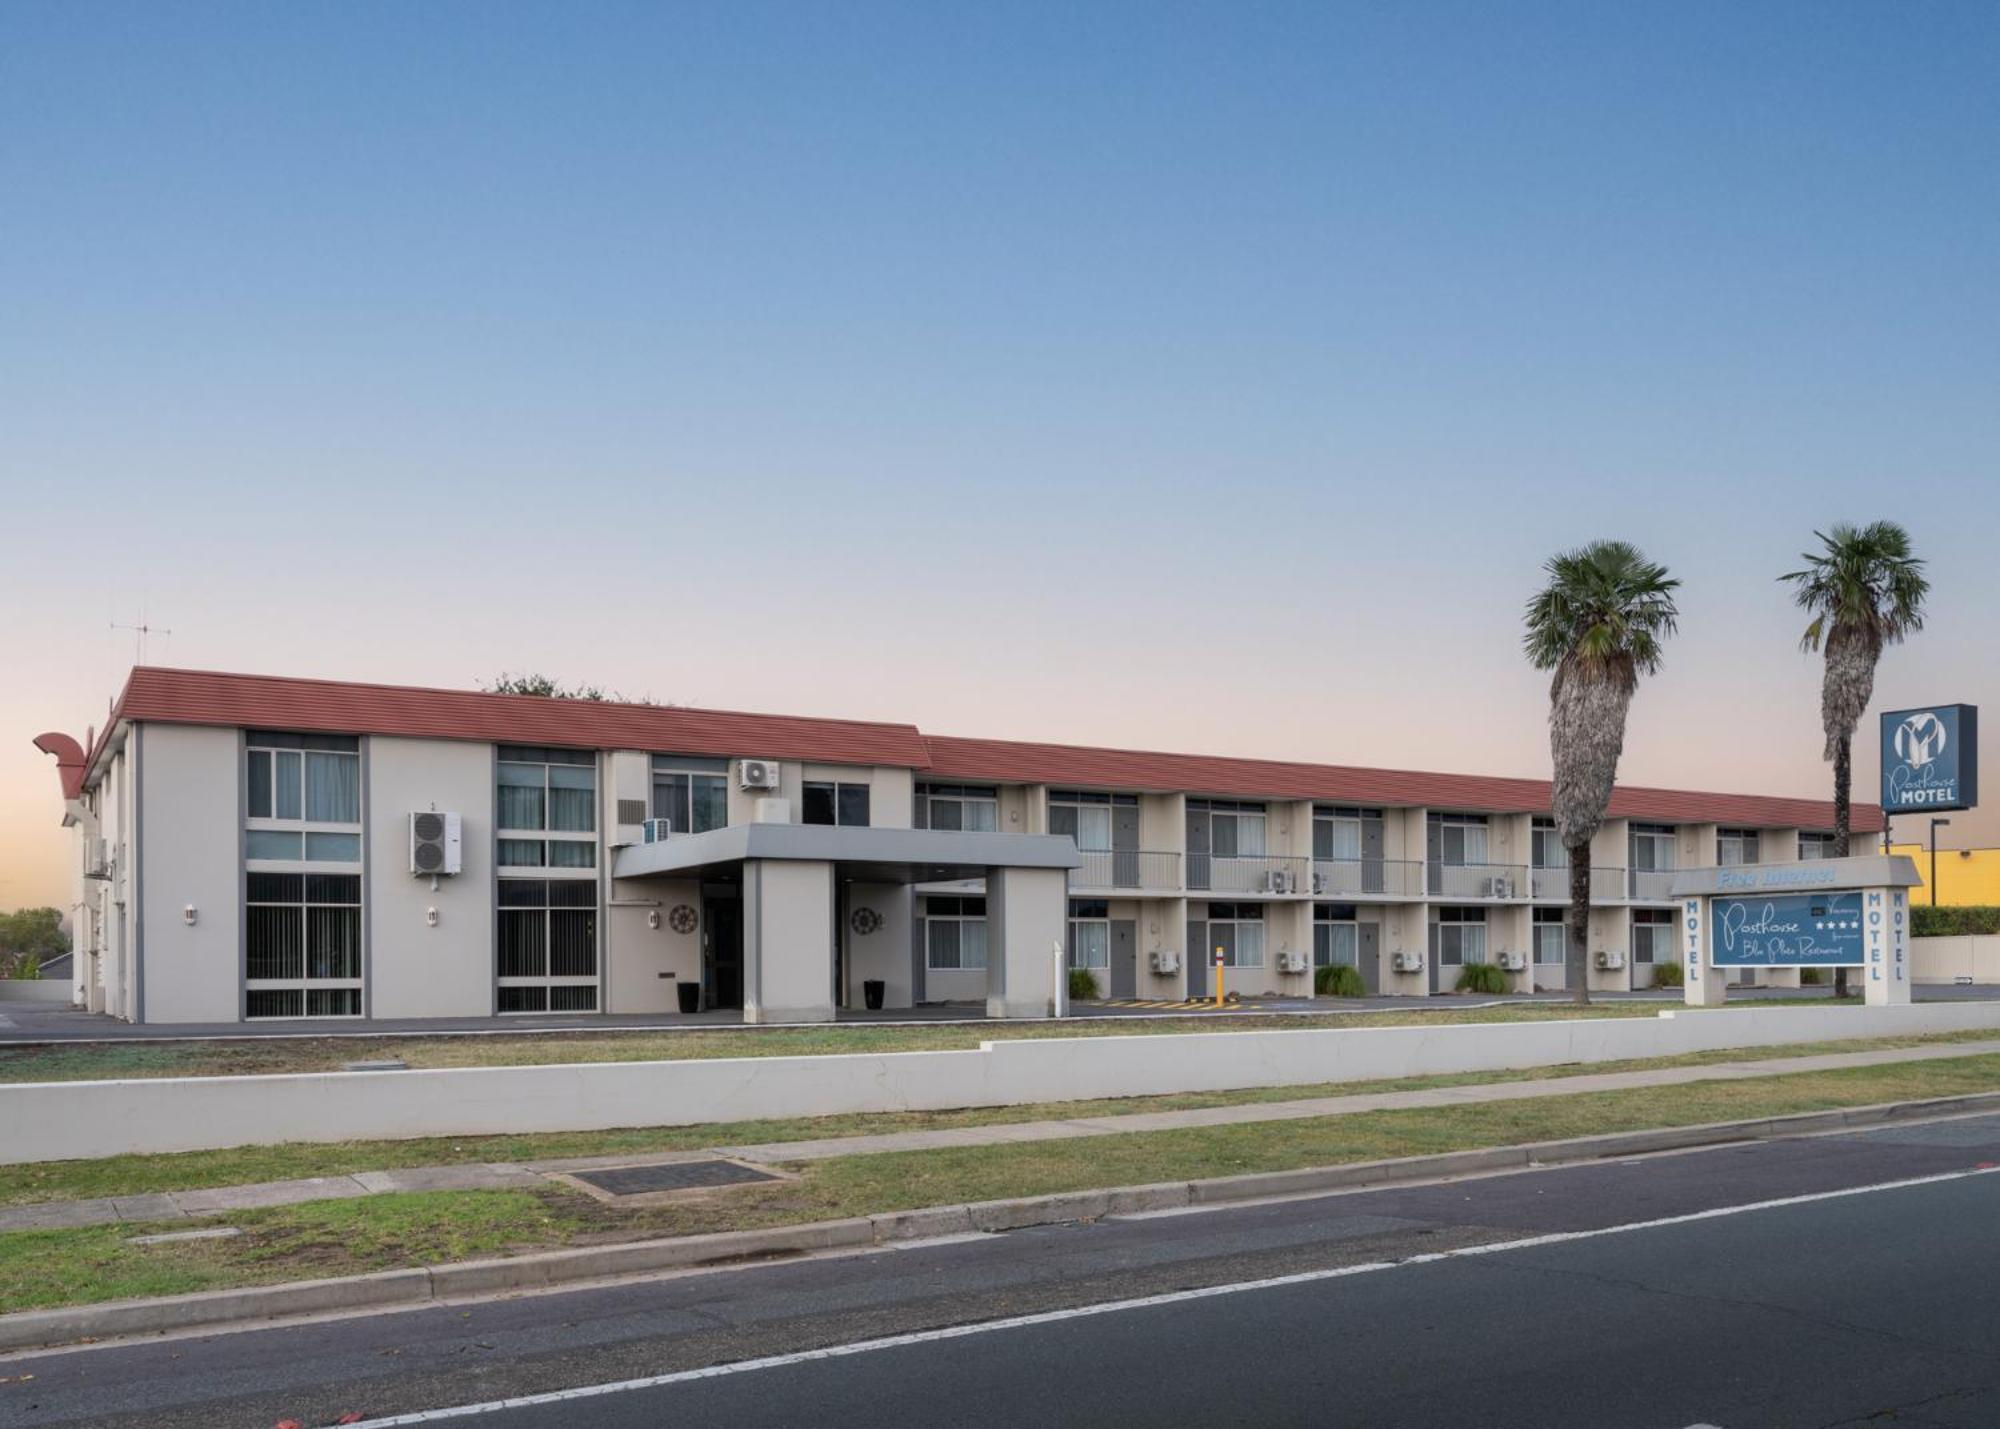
436,843
757,774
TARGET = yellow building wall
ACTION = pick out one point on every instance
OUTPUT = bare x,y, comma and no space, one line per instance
1969,877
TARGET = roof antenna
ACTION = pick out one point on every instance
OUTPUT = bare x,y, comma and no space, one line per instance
139,633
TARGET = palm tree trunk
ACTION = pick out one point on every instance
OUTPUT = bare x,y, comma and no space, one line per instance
1843,822
1576,969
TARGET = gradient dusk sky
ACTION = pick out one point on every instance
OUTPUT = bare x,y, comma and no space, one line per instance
1205,377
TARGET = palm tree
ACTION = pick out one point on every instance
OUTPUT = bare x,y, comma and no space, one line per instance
1865,591
1599,625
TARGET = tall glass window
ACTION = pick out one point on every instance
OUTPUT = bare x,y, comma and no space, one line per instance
835,803
1237,929
1652,935
1337,833
1548,851
692,794
302,945
1089,933
1458,936
1461,838
954,933
1653,847
1550,939
548,945
1085,815
1734,847
552,795
1814,845
1336,935
972,808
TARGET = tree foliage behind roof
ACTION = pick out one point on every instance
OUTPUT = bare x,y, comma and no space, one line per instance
548,687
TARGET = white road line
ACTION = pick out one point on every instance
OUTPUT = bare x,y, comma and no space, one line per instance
1113,1307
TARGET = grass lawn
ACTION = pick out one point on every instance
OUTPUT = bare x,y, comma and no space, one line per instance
42,1268
59,1062
189,1170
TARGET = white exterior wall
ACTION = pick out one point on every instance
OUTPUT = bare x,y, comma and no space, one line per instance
413,968
191,823
53,1121
644,964
884,954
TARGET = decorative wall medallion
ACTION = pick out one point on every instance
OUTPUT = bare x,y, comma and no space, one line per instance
864,920
683,919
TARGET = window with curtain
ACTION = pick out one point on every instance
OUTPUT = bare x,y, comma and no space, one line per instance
1089,933
1547,849
1549,937
1815,846
1734,847
1653,847
1337,834
969,808
1652,935
312,778
1085,815
1238,929
552,794
1336,935
954,934
1460,935
691,794
1461,838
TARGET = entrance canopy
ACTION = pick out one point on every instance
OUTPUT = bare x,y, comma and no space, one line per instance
879,855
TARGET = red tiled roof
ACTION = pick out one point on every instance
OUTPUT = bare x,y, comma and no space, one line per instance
1010,761
340,707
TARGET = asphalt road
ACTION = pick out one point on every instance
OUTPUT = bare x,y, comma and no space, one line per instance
1404,1306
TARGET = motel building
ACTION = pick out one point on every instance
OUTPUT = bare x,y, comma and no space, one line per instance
253,848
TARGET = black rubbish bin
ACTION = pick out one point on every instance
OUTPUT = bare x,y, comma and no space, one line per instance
690,995
871,993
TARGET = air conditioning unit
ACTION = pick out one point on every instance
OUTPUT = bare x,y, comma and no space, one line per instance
657,830
1610,959
1319,881
1291,962
97,859
1512,962
437,843
1165,960
1277,881
757,773
1407,962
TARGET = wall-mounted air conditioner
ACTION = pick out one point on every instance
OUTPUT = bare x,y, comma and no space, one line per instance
97,859
1277,881
1165,960
437,843
1291,962
1512,962
1319,881
657,830
1610,959
1407,962
757,773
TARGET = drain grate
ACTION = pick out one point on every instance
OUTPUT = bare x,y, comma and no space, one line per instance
672,1176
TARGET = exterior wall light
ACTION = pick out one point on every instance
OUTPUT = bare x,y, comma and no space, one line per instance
188,915
431,917
653,918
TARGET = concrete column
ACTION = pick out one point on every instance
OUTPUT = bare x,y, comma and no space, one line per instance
788,914
1885,940
1706,985
1027,910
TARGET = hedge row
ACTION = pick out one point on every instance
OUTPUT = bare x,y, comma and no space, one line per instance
1949,922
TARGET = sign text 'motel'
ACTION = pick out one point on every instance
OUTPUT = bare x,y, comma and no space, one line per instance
1930,759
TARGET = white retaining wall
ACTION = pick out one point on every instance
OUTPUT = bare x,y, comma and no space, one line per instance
51,1121
35,989
1968,958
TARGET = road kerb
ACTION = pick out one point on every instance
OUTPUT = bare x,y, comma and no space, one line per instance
218,1309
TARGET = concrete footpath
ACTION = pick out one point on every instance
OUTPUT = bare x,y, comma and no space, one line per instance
188,1205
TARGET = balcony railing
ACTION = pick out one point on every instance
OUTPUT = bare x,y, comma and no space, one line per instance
1479,880
1113,870
1652,885
1246,873
1367,878
1551,885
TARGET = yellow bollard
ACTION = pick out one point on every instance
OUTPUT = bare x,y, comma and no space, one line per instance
1218,976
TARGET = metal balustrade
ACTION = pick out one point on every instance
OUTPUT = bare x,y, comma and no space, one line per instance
1367,878
1247,873
1121,870
1551,885
1479,881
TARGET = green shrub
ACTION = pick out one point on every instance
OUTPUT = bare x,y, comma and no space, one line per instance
1482,977
1082,985
1948,922
1339,980
1669,975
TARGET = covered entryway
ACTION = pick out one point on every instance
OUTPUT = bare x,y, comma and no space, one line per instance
826,909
